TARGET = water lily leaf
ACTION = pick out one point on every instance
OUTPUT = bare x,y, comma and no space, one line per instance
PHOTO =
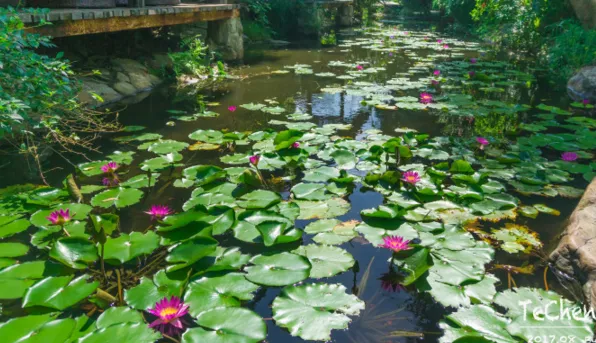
118,315
122,157
285,139
375,234
321,174
189,252
207,136
92,168
119,197
75,252
227,325
167,146
259,199
16,279
326,260
482,291
332,231
37,328
461,166
13,249
345,159
148,292
129,246
545,209
223,259
278,269
60,292
494,202
204,174
213,291
142,137
456,267
475,323
517,238
141,181
331,208
162,162
312,311
12,224
310,191
76,211
126,333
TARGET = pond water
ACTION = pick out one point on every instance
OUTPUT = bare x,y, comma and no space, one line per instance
382,75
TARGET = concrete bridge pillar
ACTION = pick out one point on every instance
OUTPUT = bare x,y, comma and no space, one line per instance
226,37
345,15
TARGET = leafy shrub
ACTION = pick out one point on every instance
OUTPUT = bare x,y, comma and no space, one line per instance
329,38
572,47
195,59
459,9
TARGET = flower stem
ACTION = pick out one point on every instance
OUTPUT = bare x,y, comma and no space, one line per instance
119,287
171,338
65,232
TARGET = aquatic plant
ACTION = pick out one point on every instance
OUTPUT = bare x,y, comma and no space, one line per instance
254,160
169,313
569,156
473,60
110,167
411,177
395,243
59,217
426,98
232,108
158,212
482,141
436,72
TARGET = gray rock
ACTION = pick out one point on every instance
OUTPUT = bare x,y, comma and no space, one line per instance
161,61
107,93
125,88
576,253
140,80
585,11
128,65
154,80
225,36
583,84
120,76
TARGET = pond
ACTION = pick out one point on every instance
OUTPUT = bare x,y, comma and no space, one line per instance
282,184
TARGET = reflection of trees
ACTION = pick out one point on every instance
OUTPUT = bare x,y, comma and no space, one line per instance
490,125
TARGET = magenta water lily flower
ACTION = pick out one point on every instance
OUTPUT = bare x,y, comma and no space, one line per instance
569,156
232,108
482,141
159,211
59,217
436,72
439,41
359,67
296,145
390,54
426,98
473,60
169,313
395,243
110,181
434,82
110,167
411,177
586,102
445,46
254,160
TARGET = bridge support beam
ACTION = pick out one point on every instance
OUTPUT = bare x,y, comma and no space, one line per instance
345,15
226,37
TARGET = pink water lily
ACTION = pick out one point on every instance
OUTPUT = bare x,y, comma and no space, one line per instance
232,108
159,211
296,145
482,141
586,102
110,181
436,72
434,82
59,217
426,98
169,314
109,167
473,60
254,160
439,41
411,177
359,67
395,243
569,156
390,54
445,46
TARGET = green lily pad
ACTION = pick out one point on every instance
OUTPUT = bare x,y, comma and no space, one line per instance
129,246
59,292
148,292
118,197
312,311
227,325
326,260
278,269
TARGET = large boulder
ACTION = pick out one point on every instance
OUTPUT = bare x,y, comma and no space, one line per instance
107,93
585,10
583,85
576,253
226,36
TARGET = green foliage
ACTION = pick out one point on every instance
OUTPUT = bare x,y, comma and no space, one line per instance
572,47
459,9
329,38
196,59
